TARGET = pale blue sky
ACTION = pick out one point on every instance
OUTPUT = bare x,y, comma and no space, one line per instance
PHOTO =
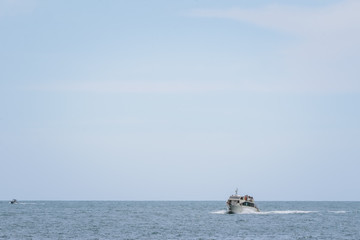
179,100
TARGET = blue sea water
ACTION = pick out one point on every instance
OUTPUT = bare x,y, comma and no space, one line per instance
177,220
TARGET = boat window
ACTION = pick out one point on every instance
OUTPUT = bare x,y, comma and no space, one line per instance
249,204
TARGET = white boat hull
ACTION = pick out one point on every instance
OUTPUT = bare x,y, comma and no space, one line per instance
241,209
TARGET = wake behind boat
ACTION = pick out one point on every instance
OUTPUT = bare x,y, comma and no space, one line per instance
241,204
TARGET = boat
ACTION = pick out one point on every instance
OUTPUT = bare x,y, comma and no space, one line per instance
241,204
14,201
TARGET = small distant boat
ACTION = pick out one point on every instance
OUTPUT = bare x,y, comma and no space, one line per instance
14,201
241,204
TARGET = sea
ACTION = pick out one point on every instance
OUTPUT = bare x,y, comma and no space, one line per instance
177,220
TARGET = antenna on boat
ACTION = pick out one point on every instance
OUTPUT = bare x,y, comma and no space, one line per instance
236,191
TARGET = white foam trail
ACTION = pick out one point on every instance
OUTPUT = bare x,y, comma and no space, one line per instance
220,212
338,211
286,212
249,211
271,212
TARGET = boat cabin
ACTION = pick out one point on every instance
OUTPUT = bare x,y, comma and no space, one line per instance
241,200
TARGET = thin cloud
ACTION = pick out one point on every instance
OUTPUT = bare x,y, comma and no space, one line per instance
132,87
334,29
327,46
297,20
242,86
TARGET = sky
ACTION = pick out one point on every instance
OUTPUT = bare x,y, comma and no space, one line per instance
179,100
